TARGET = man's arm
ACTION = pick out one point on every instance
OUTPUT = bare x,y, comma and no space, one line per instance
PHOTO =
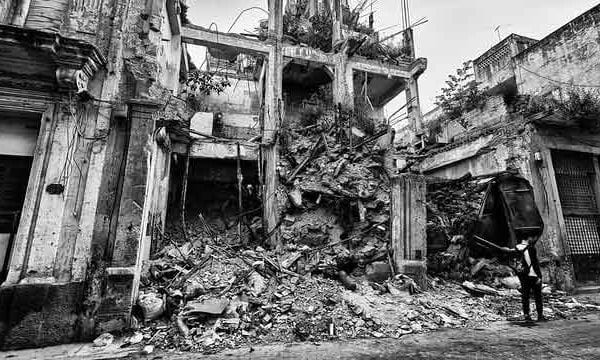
491,244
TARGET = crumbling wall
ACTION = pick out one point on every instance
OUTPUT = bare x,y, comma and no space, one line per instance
567,56
6,8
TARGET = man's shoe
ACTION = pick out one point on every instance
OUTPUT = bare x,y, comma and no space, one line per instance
541,318
527,318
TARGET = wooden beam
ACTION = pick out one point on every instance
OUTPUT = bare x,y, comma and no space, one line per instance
197,35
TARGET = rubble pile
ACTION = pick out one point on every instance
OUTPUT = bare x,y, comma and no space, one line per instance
335,199
332,278
452,210
452,207
211,298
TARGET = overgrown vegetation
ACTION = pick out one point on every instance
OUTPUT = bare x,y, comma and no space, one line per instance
317,32
384,52
206,83
461,95
184,13
579,105
203,83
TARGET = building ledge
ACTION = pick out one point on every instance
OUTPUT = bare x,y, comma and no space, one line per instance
45,61
223,149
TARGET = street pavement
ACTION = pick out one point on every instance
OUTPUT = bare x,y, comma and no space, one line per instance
561,339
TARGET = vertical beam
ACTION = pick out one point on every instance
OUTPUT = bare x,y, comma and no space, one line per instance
555,198
273,111
338,20
414,106
409,220
312,8
74,192
343,82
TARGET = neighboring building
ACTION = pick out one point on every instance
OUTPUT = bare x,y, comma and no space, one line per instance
82,160
559,157
495,69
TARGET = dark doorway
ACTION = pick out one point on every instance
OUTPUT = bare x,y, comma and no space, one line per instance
18,137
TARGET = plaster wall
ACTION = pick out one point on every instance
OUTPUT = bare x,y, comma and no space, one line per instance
567,56
242,97
18,137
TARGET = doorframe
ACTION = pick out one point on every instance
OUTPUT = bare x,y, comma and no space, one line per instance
592,151
18,254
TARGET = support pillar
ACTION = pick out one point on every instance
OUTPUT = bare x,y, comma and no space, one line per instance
414,106
131,239
409,220
338,20
272,121
343,83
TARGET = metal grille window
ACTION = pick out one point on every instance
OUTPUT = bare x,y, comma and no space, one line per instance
583,234
577,184
575,179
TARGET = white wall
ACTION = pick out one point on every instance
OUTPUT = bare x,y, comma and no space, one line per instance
17,136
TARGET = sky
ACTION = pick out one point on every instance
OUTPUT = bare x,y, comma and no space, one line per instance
456,31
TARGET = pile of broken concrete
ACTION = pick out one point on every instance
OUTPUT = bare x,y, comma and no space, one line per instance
332,276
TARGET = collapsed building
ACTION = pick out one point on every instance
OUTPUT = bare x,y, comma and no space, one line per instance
520,127
102,144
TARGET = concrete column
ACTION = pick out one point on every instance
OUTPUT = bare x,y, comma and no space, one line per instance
409,220
343,82
414,107
313,8
338,20
273,112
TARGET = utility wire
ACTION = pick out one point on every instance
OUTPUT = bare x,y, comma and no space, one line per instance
558,81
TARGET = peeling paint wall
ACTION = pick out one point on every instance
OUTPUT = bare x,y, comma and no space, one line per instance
72,247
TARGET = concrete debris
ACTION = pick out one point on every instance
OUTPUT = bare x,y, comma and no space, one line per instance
207,307
152,305
378,271
512,282
345,279
135,338
331,279
104,340
148,349
479,289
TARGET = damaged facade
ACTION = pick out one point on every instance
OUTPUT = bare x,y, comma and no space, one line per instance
83,167
557,153
100,146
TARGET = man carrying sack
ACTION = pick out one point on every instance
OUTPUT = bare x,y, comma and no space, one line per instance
509,221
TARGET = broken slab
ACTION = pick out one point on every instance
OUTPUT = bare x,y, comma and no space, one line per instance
206,307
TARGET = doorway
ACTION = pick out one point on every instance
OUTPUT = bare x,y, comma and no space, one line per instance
579,193
18,138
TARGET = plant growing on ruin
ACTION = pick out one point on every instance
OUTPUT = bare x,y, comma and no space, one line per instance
580,105
206,83
461,95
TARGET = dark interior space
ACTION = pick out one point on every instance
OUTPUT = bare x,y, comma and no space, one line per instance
212,198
